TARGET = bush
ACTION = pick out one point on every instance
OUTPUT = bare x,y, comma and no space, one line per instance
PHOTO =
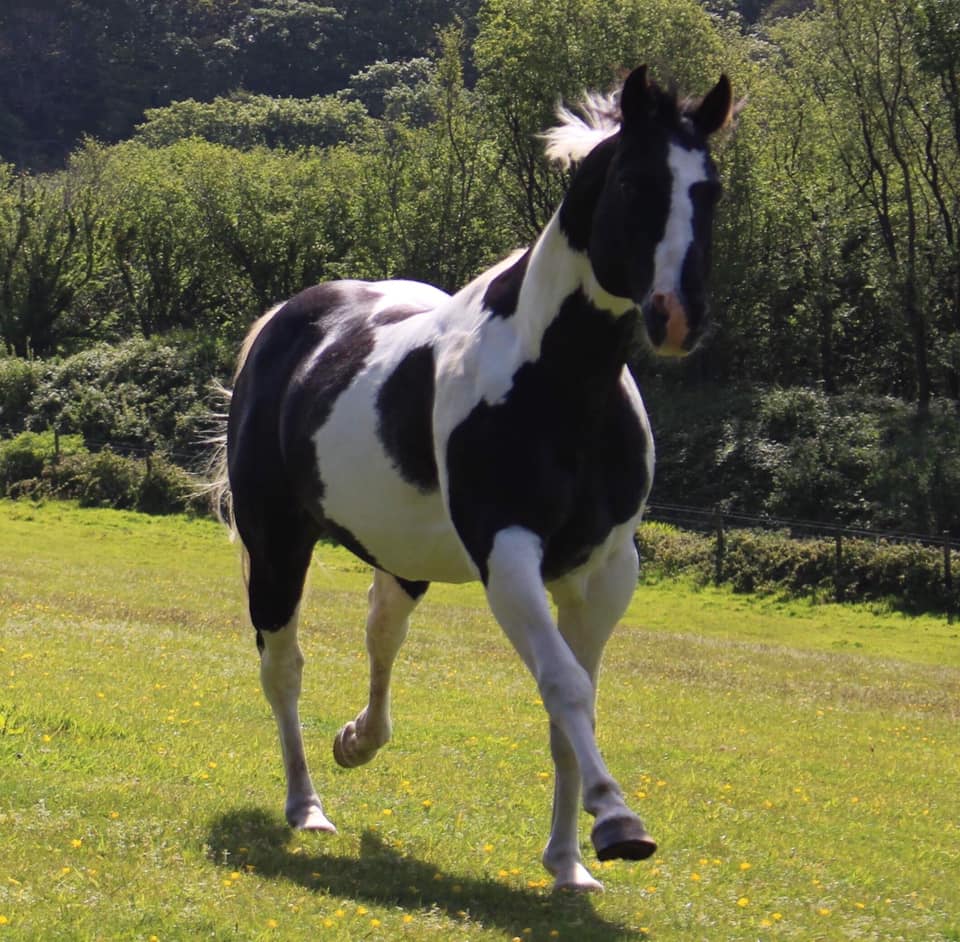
18,382
25,456
908,576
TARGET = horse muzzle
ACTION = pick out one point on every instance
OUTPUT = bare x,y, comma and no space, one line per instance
668,324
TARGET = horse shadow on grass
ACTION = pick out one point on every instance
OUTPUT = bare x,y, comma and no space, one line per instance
382,876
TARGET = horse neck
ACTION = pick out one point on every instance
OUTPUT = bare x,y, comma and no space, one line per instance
564,316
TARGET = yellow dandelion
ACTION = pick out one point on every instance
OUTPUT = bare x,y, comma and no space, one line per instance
339,914
328,923
272,923
387,812
114,815
427,803
860,905
488,848
375,923
823,911
695,877
766,923
76,843
745,866
743,902
777,917
4,921
362,910
554,934
407,919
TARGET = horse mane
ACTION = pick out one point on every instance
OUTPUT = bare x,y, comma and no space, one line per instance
597,116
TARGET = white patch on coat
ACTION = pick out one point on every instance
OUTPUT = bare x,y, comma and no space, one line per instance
687,168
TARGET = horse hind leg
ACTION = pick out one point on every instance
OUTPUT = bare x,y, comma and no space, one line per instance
390,605
275,587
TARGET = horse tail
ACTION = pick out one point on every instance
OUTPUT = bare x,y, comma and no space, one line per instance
217,486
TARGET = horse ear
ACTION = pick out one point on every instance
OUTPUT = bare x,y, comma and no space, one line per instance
716,109
636,100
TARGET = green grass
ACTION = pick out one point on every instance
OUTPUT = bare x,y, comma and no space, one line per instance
798,764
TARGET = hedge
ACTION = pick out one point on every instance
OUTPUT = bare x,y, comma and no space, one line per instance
907,576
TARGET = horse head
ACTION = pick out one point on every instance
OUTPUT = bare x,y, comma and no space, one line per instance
641,202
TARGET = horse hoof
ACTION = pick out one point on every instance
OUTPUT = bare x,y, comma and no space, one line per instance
622,839
308,816
576,879
339,750
346,751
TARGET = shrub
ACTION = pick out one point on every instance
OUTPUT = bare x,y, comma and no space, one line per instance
25,456
18,381
908,576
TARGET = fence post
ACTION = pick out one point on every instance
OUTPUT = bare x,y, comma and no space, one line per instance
56,445
838,568
948,576
721,547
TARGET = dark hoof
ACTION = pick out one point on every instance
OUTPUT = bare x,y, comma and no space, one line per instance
622,839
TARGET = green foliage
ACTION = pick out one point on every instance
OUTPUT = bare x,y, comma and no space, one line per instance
245,121
135,394
19,378
39,465
25,456
851,460
907,576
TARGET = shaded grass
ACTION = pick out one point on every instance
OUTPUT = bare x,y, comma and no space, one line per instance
797,764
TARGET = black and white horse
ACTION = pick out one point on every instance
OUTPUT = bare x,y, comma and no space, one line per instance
495,434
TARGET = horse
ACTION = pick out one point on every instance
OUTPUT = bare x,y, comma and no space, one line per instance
495,434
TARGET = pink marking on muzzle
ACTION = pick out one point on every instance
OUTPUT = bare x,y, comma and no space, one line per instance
668,305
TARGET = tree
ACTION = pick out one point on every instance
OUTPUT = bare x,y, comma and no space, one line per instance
533,53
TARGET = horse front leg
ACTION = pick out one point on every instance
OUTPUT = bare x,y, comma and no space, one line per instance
517,597
387,620
588,611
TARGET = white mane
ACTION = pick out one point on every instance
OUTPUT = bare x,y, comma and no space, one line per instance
578,134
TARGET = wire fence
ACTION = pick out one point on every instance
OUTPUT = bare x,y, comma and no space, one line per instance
707,520
717,522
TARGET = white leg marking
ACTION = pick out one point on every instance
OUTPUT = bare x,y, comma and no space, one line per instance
387,620
517,598
588,613
281,670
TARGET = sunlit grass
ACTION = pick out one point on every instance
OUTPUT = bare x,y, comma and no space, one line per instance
797,764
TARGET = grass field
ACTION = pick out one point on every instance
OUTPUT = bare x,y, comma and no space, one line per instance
799,765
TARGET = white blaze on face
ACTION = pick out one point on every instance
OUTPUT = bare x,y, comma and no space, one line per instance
687,167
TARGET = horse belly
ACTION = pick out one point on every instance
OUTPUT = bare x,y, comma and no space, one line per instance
402,528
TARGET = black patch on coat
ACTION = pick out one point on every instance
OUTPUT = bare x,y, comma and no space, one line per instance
503,292
564,455
405,419
577,208
281,396
415,590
